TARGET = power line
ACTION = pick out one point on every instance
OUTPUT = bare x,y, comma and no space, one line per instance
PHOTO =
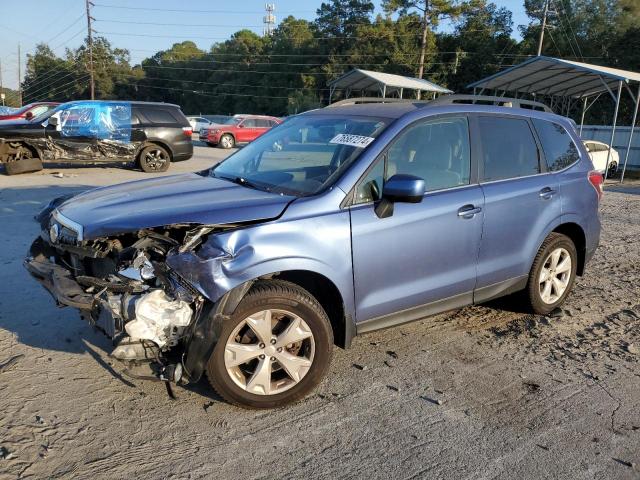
183,10
80,79
65,30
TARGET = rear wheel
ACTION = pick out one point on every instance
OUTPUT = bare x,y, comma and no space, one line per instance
226,141
552,274
274,349
154,158
613,168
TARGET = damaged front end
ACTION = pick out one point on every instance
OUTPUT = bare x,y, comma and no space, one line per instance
123,286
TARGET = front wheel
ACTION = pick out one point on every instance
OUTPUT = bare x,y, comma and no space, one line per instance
154,159
275,348
226,141
552,274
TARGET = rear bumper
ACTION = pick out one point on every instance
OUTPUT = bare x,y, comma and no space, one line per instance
182,150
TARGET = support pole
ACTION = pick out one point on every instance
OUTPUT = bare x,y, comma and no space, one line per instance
633,126
613,130
584,110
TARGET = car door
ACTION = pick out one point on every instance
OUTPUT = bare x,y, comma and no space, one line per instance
76,135
521,200
246,130
422,259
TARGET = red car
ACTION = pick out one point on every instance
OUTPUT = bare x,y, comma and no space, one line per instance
30,111
239,129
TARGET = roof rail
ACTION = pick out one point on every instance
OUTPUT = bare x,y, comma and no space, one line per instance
450,100
490,100
361,100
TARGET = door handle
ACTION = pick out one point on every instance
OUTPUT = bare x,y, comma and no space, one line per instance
546,193
468,211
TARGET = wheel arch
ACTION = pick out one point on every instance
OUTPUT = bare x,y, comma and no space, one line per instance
206,330
577,235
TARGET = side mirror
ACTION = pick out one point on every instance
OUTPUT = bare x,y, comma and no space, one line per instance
28,115
54,121
400,188
240,125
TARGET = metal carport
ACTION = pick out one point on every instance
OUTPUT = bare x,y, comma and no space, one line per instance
565,82
358,80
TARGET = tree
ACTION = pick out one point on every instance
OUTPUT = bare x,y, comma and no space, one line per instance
430,12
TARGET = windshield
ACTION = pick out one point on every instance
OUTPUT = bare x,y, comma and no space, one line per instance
303,155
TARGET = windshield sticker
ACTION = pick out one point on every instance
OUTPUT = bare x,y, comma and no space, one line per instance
352,140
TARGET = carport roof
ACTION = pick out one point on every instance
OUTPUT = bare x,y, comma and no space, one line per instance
367,80
555,76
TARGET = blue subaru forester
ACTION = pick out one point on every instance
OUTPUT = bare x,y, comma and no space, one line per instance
340,221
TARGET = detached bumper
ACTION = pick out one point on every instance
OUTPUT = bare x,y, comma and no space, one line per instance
59,283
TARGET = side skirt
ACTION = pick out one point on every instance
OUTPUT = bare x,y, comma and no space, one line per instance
415,313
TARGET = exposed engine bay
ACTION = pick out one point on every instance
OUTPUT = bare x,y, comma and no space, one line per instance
123,286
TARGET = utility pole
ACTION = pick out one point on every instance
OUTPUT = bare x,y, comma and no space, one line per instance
1,88
423,45
88,5
544,26
19,76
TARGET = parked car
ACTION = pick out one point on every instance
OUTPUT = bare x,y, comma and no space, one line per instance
238,130
30,111
198,123
150,134
339,222
598,152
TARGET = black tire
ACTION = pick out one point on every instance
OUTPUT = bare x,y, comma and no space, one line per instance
24,165
533,294
226,141
613,169
154,159
274,294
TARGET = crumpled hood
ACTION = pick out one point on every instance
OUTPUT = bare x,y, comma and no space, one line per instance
177,199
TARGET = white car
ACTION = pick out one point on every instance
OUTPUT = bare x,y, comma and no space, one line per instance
198,123
598,152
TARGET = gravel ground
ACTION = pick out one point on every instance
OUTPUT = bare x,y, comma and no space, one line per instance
484,392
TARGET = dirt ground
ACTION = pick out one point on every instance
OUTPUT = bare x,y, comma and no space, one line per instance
484,392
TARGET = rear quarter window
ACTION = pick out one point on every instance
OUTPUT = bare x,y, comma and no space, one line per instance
160,115
559,149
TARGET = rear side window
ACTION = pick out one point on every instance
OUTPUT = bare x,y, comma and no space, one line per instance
559,149
508,148
159,115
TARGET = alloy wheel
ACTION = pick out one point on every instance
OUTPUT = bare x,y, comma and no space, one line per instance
555,275
156,159
269,352
226,141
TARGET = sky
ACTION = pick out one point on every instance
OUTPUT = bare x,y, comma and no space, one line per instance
62,23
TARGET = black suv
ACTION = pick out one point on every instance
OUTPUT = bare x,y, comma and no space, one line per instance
150,134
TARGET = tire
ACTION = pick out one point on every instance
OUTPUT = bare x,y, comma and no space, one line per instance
24,165
154,159
613,169
311,355
227,141
560,287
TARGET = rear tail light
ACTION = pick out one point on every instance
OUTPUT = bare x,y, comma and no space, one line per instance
188,131
597,180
